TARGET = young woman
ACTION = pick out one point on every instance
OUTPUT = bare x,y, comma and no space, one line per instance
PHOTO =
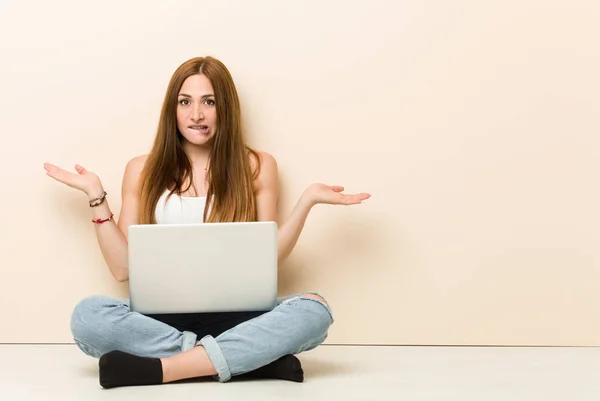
199,170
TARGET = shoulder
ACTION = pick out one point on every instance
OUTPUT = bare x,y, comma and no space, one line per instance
133,171
267,175
136,164
266,160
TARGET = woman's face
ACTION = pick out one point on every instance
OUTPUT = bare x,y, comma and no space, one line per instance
196,110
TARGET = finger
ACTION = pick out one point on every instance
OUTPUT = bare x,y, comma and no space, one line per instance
51,175
336,188
54,175
361,195
356,199
80,169
50,167
53,168
63,176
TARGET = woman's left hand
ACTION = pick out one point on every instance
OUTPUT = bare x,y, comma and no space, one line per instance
332,195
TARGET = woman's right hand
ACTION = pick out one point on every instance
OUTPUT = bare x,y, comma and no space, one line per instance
85,181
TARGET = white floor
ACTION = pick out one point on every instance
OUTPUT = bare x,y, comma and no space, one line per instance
61,372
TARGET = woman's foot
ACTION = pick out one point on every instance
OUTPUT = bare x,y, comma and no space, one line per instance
287,367
119,369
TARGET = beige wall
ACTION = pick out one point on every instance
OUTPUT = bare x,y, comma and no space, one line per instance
474,124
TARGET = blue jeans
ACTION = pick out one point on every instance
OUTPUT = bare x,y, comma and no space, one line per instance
100,324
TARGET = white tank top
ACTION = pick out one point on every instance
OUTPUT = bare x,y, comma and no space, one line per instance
180,209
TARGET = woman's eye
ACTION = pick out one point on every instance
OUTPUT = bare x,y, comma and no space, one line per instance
210,102
184,102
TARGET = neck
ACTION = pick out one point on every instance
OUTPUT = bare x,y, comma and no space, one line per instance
197,154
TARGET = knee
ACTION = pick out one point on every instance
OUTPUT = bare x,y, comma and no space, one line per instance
316,297
88,315
322,307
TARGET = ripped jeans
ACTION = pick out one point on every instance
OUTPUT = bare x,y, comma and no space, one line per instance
236,343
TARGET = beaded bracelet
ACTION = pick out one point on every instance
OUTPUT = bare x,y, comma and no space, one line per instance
100,221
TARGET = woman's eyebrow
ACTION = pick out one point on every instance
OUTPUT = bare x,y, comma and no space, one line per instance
203,96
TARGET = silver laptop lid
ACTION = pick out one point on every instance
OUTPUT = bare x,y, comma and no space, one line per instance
213,267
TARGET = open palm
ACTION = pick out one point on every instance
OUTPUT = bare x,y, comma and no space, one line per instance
84,180
332,195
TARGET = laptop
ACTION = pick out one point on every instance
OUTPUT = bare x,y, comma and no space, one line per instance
194,268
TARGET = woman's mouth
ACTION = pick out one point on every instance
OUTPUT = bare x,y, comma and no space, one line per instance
200,128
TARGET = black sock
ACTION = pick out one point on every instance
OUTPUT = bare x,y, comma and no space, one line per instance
287,367
119,368
122,369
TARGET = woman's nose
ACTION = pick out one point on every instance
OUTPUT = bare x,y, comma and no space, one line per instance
197,114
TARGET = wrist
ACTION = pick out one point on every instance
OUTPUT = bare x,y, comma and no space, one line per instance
95,192
306,201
